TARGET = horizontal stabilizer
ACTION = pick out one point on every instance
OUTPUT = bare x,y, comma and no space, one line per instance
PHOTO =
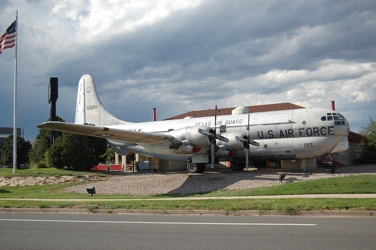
107,133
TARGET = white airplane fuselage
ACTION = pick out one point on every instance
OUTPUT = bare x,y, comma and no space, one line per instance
288,134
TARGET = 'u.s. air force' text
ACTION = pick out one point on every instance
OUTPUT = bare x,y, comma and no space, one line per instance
300,132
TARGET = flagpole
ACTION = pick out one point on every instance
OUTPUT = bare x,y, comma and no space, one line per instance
15,103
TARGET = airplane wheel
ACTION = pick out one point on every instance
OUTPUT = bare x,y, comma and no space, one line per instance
195,167
330,169
201,167
235,166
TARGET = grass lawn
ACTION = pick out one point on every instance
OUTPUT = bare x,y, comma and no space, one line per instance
8,172
339,185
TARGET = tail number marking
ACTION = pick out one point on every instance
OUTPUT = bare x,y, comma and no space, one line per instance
91,107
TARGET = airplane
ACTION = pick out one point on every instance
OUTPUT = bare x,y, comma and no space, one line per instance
239,138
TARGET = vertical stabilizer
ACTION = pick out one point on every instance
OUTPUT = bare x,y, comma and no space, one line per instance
89,109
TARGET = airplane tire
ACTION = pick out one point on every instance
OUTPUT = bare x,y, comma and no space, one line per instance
330,169
192,167
235,166
201,167
195,167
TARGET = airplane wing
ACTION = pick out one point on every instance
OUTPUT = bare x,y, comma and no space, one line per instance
106,133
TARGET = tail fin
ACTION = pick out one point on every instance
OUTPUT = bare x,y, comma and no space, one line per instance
89,109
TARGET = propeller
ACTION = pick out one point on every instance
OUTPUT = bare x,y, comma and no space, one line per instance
247,147
247,141
212,134
214,143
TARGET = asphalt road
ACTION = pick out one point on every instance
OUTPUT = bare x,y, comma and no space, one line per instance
109,231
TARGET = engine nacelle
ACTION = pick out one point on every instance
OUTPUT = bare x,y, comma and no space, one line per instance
187,149
192,136
224,153
234,144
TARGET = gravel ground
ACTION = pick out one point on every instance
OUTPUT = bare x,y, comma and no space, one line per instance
182,183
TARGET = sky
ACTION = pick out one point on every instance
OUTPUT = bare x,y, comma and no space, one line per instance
185,55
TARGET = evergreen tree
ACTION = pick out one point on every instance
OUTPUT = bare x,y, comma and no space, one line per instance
70,151
75,152
23,149
42,144
52,156
98,149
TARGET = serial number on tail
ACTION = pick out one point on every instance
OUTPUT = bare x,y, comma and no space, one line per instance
91,107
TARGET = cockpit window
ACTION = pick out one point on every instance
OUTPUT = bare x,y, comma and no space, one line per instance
337,117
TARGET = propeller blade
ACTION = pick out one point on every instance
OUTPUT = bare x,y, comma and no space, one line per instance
253,142
214,143
247,158
213,154
238,138
204,132
221,138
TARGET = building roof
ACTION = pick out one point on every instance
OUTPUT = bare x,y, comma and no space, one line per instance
353,136
227,111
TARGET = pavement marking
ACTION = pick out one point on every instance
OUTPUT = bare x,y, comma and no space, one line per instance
164,223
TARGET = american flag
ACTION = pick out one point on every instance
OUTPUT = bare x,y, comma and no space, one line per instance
8,39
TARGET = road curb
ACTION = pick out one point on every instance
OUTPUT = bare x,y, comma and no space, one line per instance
330,213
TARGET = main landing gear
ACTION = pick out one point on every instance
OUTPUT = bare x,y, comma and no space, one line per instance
195,167
329,169
236,166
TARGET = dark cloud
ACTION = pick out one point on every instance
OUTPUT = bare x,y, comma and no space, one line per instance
218,52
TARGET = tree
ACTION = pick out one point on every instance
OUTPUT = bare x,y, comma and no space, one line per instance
98,148
75,152
42,144
6,151
70,151
109,155
369,134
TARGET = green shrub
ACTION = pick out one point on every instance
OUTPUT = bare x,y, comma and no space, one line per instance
40,165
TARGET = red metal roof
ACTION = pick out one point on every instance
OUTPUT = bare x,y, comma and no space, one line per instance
227,111
353,136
